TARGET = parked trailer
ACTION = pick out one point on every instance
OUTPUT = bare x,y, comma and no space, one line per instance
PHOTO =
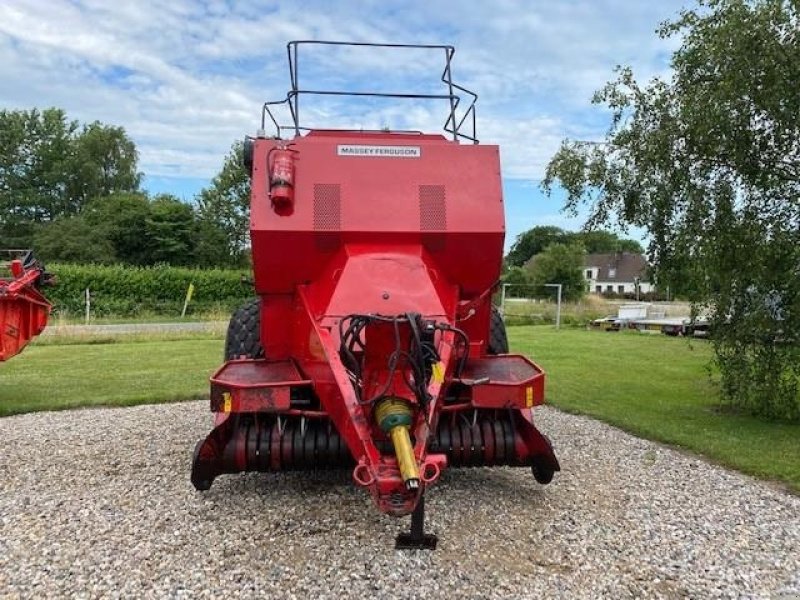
677,326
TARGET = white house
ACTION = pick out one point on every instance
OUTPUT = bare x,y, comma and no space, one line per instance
617,273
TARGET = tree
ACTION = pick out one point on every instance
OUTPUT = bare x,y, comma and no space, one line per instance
560,263
225,205
171,231
211,247
103,162
517,276
709,163
50,167
133,229
532,242
35,148
122,219
603,242
519,281
72,239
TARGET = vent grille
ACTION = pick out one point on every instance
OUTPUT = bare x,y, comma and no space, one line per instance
432,208
327,207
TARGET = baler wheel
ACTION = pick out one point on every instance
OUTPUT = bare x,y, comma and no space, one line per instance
542,473
200,484
544,466
498,340
244,332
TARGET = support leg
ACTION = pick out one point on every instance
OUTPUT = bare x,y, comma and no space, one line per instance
416,539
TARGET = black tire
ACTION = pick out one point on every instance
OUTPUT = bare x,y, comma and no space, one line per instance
543,466
498,340
542,473
244,332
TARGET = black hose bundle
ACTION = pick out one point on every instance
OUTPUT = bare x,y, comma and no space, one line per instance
417,355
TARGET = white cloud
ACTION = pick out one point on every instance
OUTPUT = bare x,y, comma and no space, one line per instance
186,79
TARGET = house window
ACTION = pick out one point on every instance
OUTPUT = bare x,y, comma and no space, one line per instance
588,274
598,289
610,289
612,273
620,289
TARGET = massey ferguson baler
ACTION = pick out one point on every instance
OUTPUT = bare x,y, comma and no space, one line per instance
373,344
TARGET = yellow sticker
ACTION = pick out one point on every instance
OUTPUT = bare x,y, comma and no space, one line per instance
438,372
528,396
226,402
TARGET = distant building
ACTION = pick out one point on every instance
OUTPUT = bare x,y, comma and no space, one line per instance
617,273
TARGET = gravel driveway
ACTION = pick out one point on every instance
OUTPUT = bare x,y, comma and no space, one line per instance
98,503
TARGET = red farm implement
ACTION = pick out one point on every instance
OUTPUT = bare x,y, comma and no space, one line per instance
373,344
23,309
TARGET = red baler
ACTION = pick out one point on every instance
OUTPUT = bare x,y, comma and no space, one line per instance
373,343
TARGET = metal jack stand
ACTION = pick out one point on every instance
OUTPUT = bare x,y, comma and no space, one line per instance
416,539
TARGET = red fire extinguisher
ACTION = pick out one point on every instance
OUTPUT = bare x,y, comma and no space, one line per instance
281,177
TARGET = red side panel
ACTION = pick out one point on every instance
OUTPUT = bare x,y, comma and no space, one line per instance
369,209
445,197
23,313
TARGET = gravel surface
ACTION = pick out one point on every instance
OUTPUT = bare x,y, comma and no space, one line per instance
98,503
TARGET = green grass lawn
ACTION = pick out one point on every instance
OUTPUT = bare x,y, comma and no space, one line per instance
51,377
657,387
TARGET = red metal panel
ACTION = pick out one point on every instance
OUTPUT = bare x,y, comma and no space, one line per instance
508,381
255,385
380,201
23,311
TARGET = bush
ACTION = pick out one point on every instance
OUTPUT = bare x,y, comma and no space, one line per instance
130,291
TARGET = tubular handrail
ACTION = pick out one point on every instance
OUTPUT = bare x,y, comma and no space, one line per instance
453,125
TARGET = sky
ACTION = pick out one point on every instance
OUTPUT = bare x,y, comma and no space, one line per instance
188,78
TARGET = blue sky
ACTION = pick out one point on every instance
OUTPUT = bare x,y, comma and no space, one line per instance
187,78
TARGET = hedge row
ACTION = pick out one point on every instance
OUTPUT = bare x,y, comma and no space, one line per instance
130,291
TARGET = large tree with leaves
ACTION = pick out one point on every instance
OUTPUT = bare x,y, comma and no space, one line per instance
35,157
530,243
103,162
709,162
133,229
558,264
51,167
225,205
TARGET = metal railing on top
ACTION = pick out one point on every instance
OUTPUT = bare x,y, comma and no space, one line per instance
458,128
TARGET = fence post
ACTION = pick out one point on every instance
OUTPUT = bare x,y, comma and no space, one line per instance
88,299
503,300
558,309
558,300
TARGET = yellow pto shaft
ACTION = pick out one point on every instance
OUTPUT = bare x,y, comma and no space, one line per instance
394,417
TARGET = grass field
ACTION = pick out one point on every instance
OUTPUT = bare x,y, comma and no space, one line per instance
120,372
651,385
659,388
527,311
